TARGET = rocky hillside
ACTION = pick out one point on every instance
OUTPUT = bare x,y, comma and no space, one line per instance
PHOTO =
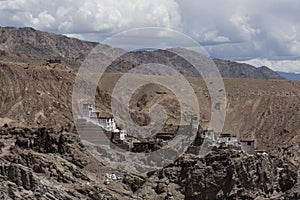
42,157
45,164
230,69
27,44
223,174
33,95
267,110
40,95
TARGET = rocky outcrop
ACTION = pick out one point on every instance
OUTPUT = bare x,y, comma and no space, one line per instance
46,140
224,174
44,164
134,182
19,182
19,175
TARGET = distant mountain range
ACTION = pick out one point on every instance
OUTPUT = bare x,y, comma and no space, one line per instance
30,45
228,69
231,69
290,76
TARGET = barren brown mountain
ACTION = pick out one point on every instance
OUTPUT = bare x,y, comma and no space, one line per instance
42,156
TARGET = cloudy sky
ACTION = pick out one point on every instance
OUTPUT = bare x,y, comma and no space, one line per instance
253,31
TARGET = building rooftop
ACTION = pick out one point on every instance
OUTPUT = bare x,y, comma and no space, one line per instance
226,135
247,140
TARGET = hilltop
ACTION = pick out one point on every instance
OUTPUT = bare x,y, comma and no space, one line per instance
28,45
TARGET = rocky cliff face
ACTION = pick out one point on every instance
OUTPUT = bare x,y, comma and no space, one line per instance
223,174
44,164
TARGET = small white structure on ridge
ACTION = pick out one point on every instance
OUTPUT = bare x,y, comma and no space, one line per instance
87,109
228,139
123,133
107,123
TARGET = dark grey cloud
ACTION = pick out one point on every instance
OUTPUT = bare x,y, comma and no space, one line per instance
268,28
264,31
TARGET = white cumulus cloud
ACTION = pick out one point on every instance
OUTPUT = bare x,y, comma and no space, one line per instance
231,29
91,15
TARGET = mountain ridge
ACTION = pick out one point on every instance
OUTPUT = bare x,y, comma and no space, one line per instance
42,155
27,45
